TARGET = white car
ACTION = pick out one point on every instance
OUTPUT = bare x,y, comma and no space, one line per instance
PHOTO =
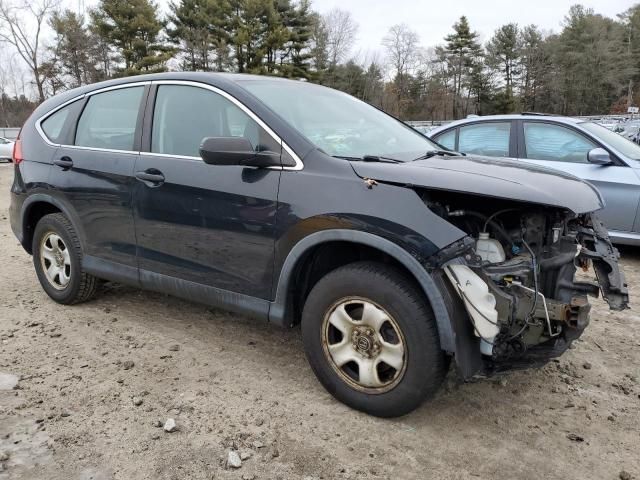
6,149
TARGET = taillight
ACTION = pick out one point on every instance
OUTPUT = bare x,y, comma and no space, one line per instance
17,151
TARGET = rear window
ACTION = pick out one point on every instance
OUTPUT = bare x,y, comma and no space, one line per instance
490,139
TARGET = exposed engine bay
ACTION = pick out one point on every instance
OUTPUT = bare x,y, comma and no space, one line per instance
524,280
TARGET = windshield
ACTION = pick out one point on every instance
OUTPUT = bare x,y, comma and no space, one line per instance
338,123
618,142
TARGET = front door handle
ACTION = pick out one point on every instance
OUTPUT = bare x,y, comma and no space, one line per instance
151,177
65,162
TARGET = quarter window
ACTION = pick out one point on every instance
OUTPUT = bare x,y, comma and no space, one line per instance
52,126
209,115
109,119
544,141
490,139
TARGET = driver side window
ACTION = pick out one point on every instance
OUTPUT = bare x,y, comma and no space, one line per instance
544,141
184,115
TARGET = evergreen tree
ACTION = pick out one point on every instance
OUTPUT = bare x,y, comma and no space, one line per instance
461,49
198,27
590,66
132,29
75,51
504,52
534,62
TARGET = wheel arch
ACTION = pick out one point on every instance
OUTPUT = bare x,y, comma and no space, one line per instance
280,311
37,206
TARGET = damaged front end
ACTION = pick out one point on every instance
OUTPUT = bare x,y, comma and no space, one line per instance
518,286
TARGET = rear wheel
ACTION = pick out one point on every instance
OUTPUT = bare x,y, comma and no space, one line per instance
57,258
371,339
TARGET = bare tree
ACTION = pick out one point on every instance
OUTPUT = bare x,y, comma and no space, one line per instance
21,26
402,45
341,30
403,52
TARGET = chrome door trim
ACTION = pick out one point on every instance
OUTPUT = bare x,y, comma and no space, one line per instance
298,166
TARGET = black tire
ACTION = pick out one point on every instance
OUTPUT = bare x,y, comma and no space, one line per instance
425,364
81,286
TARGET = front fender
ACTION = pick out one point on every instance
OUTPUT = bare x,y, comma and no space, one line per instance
426,282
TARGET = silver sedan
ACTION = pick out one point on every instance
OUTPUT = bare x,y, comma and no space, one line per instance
582,148
6,149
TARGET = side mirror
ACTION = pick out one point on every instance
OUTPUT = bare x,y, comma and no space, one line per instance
599,156
236,151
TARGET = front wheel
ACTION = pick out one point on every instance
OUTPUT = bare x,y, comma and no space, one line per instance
371,339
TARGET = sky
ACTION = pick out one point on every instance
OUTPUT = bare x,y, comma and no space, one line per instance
430,19
433,19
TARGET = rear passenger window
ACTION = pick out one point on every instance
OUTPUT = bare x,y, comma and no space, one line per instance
109,119
448,139
490,139
52,125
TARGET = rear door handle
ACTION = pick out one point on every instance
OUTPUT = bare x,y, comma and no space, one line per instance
151,177
65,162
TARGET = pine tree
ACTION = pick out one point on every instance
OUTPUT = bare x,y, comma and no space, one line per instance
75,51
504,52
535,65
461,49
199,27
295,54
132,28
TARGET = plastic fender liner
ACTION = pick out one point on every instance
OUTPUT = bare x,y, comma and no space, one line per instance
605,258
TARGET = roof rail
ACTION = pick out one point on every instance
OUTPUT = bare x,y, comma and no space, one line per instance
538,114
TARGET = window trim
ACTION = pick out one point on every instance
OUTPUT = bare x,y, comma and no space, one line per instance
298,162
85,97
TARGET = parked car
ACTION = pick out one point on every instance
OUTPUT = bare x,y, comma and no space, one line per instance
6,149
630,130
292,202
581,148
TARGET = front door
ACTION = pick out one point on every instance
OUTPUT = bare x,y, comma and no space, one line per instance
564,149
208,225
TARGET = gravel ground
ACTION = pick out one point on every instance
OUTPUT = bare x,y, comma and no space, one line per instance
97,382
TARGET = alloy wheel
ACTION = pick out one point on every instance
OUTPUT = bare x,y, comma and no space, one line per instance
56,260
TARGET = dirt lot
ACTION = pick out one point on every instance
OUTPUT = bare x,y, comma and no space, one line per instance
97,380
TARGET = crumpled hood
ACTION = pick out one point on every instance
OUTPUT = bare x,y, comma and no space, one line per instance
501,178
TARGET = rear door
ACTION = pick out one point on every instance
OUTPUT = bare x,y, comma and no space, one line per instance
204,224
94,174
563,148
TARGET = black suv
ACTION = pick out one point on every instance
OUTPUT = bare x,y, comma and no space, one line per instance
292,202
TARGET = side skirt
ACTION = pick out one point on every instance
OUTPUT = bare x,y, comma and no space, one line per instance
215,297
